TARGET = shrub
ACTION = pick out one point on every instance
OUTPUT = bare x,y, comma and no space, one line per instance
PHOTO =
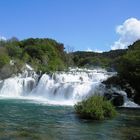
14,51
95,107
4,59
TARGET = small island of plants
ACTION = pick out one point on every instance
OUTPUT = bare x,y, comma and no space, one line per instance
96,108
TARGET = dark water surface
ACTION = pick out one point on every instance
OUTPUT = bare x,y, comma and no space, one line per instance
24,120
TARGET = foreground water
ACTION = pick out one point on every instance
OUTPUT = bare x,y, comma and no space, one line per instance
28,120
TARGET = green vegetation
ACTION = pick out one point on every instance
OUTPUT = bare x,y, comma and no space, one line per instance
93,59
44,55
95,107
128,67
126,62
48,55
4,58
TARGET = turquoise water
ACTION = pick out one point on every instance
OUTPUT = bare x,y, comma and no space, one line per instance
25,120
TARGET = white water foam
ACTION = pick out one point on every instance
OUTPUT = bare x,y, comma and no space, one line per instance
63,88
60,88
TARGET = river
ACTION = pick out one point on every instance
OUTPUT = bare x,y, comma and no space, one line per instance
29,120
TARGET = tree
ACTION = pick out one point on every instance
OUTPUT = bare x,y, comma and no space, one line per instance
4,59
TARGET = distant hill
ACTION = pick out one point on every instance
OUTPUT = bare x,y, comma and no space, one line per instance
92,59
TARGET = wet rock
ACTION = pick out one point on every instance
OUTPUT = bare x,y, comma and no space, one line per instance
108,96
118,100
123,85
137,98
113,81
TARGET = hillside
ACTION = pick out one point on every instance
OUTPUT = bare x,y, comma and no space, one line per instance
44,55
92,59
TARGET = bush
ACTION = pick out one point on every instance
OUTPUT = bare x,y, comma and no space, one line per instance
4,59
95,107
14,51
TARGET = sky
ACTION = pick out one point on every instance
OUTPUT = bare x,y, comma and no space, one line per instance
88,25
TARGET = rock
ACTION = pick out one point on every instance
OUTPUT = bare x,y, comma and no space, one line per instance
6,72
137,98
108,96
118,100
113,81
122,84
130,92
9,70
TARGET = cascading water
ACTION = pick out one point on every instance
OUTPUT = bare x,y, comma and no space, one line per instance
69,87
63,88
19,85
127,102
58,88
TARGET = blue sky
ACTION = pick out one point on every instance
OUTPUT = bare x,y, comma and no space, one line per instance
80,24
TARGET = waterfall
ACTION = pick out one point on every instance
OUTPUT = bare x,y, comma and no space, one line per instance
58,88
63,88
70,87
19,85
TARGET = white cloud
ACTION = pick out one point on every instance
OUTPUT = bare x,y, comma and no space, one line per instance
95,50
89,50
98,51
129,32
2,38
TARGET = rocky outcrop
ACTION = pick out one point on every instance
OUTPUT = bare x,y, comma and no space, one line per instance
7,71
116,98
12,69
123,85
